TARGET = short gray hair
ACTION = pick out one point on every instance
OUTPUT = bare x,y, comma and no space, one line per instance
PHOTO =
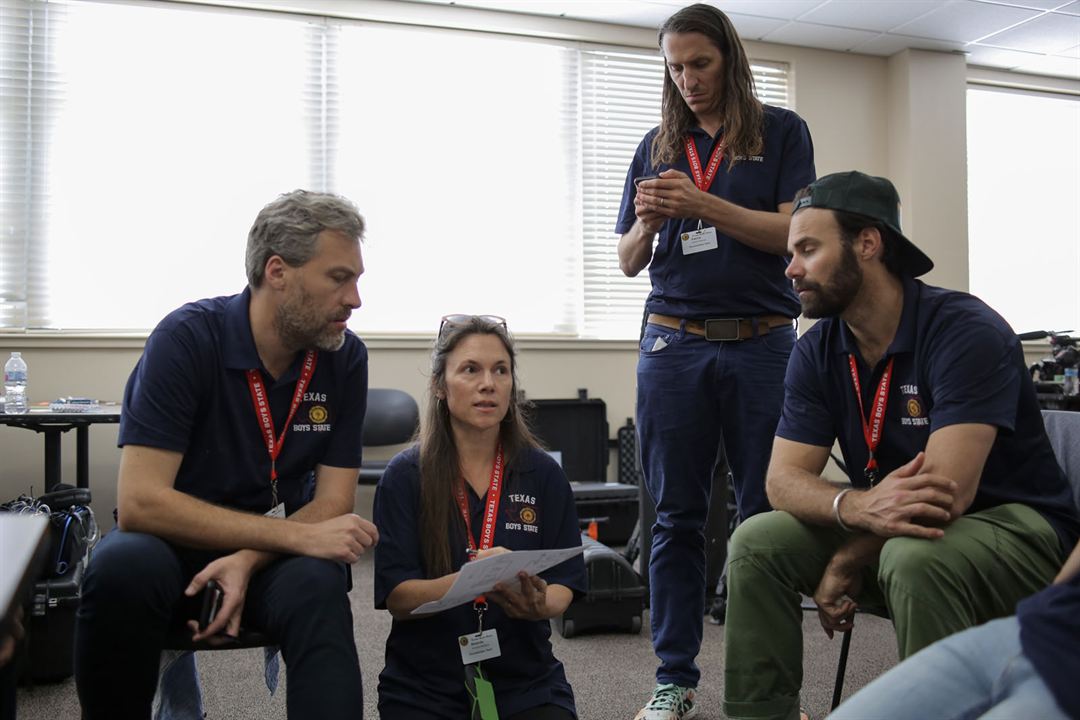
290,225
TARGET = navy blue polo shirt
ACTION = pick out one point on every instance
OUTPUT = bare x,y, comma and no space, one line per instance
189,393
1050,635
734,280
423,661
956,361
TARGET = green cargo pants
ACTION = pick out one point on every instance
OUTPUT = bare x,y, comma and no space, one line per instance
986,563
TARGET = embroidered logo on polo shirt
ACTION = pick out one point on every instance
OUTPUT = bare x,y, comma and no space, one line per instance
751,158
913,404
521,513
318,415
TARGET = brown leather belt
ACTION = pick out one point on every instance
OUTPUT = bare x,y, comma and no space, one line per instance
723,329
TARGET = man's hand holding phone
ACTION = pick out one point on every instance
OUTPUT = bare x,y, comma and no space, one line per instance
224,585
671,194
646,214
643,178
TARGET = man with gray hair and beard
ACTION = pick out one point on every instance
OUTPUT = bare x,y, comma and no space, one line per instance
241,437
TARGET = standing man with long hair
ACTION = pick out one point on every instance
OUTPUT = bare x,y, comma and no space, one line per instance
721,172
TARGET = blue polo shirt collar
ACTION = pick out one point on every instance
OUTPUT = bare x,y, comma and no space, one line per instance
238,344
904,341
700,131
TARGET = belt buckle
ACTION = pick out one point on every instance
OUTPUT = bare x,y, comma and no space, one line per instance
722,329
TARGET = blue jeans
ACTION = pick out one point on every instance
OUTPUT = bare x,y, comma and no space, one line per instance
132,596
693,395
978,673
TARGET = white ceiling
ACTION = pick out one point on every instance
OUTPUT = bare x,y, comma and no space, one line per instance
1034,36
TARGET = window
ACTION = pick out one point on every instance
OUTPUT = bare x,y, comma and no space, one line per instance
1023,216
153,137
464,160
140,140
620,103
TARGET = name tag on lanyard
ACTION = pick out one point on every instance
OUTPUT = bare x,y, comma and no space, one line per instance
704,238
477,647
699,240
483,644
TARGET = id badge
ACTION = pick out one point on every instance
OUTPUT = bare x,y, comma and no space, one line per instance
477,647
698,240
278,511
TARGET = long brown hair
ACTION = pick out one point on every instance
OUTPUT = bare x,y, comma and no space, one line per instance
741,113
440,465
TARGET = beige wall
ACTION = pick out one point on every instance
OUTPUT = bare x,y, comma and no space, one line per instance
901,117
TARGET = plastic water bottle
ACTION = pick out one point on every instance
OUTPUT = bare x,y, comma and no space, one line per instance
1069,387
15,385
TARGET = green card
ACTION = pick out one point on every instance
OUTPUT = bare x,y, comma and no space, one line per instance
485,698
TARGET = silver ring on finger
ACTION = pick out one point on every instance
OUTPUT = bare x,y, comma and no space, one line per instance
661,202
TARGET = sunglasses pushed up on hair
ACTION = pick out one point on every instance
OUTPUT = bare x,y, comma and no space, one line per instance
462,319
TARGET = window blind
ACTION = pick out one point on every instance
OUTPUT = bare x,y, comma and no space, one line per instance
31,92
621,93
139,140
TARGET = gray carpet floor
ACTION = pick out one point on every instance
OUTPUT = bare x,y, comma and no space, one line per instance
612,673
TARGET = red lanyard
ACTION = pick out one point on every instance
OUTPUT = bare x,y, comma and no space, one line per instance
266,422
491,511
873,430
487,532
703,182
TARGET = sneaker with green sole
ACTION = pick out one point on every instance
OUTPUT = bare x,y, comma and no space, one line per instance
669,702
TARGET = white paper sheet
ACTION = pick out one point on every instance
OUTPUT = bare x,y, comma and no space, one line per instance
480,576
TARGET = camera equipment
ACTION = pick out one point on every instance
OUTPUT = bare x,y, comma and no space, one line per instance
1048,372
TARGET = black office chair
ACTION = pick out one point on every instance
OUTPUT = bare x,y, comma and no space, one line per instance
392,418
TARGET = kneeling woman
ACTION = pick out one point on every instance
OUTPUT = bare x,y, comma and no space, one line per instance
476,484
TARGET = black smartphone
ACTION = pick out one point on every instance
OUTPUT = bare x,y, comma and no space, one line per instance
211,603
639,180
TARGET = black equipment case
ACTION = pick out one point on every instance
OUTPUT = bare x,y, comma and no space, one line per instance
578,431
51,630
50,617
615,597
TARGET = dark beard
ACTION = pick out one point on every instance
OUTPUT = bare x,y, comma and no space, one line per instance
299,327
833,298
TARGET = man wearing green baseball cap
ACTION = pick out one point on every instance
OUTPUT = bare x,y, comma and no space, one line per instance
957,507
